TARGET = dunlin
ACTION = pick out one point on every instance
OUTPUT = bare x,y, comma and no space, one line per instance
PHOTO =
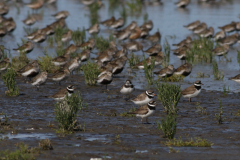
147,25
192,25
220,35
184,69
155,38
182,3
108,22
67,36
118,23
221,50
35,4
85,55
200,28
230,40
25,48
59,76
153,51
4,64
30,70
229,27
165,72
207,33
61,14
39,79
183,42
94,29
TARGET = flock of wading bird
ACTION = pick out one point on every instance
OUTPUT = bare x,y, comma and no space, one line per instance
112,60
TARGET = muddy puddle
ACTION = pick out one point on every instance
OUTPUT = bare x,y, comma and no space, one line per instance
107,134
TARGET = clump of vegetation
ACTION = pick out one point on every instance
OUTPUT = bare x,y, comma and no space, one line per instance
238,57
225,90
91,72
167,50
60,51
125,114
10,82
133,60
94,7
218,116
46,64
50,41
200,51
238,113
202,75
5,53
79,36
66,112
173,78
169,95
58,33
117,140
22,153
218,75
19,62
168,126
196,142
202,110
135,7
148,70
171,150
123,13
45,144
103,43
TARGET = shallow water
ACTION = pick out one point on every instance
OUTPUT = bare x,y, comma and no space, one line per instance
167,18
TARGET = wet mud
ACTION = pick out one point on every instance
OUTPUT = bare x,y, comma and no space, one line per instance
106,134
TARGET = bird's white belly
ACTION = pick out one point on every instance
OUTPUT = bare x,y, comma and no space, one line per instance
179,73
236,80
125,90
25,74
192,95
141,103
150,112
59,78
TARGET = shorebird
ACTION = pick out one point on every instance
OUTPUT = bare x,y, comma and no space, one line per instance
61,14
25,48
221,50
144,98
94,29
184,69
127,88
39,79
192,25
30,70
61,94
155,38
192,91
35,5
182,3
229,27
145,111
166,72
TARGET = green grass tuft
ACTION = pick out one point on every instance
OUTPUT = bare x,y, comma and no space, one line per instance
10,82
91,72
196,142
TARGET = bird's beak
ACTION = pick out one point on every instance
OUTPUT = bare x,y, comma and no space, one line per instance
201,84
154,94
